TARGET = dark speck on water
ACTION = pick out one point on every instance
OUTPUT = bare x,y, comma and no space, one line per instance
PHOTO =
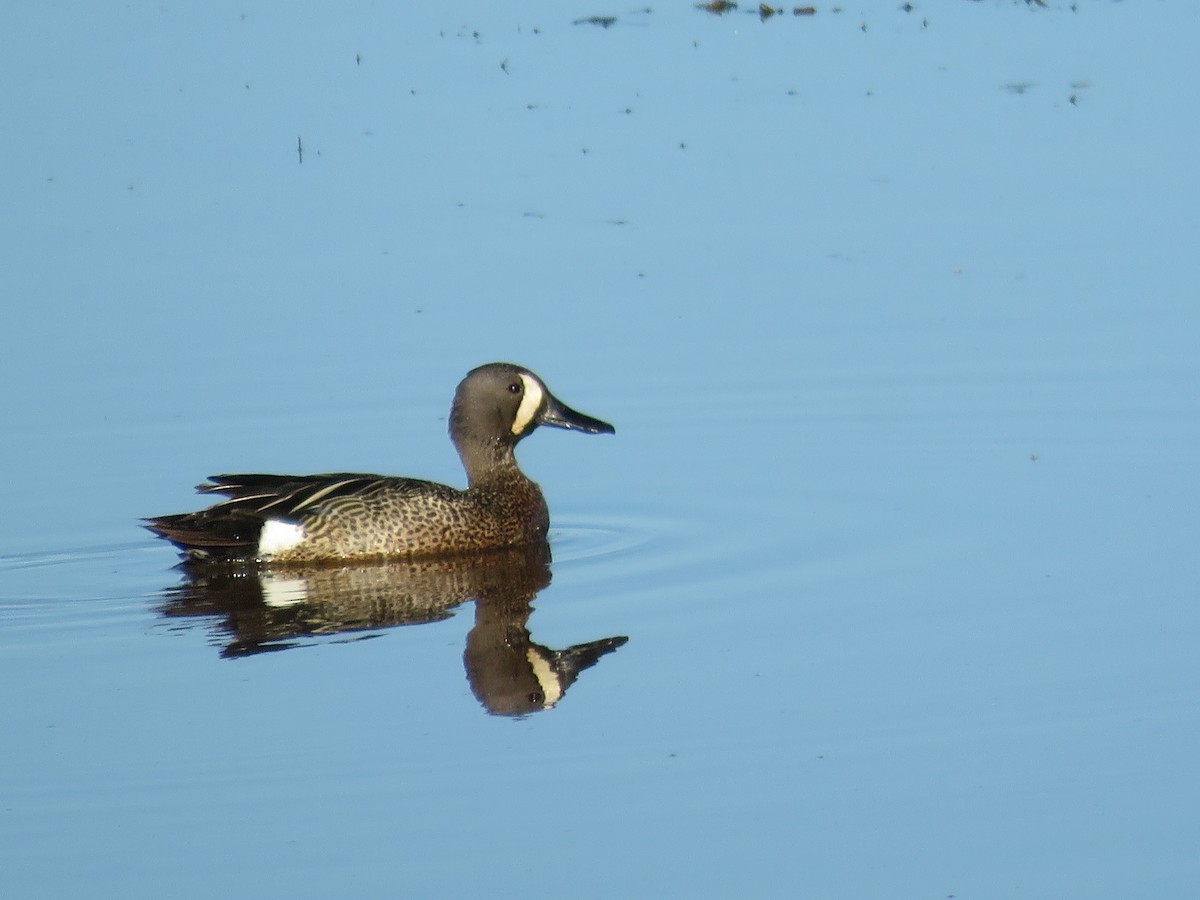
602,21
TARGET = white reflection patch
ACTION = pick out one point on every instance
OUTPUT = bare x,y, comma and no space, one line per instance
280,592
530,404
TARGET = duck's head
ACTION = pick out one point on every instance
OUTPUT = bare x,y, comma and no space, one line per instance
498,404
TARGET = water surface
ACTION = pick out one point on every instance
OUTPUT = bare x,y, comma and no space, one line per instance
894,312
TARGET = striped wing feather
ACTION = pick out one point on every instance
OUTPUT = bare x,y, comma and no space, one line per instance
231,527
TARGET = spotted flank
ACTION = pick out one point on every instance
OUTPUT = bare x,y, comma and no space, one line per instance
282,519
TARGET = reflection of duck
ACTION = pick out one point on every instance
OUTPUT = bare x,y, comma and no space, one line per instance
511,675
306,518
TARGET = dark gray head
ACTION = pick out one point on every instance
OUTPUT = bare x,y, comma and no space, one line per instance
498,404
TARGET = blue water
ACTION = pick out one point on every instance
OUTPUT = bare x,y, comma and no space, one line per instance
894,313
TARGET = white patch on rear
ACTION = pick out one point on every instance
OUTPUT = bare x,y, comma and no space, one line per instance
278,536
551,687
530,404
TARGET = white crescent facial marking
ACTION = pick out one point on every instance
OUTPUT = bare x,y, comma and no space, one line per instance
546,676
278,535
530,404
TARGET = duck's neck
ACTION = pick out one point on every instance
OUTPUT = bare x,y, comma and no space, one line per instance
489,465
506,497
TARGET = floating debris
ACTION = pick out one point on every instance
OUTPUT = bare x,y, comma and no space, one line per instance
764,11
602,21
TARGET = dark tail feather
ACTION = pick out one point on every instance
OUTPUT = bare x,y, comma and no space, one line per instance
204,536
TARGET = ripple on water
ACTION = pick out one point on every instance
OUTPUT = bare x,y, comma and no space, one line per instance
649,550
585,539
98,587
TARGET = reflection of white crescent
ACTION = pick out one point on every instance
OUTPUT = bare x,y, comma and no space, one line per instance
546,676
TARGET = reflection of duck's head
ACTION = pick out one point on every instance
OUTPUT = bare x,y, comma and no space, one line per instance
513,676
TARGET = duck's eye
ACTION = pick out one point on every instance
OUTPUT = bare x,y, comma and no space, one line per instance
515,387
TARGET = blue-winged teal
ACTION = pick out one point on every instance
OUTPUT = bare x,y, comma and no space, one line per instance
310,518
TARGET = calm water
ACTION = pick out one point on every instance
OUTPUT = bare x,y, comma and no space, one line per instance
895,314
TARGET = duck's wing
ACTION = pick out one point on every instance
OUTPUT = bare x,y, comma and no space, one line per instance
231,528
287,496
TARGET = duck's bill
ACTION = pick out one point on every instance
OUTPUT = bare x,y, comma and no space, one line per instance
562,416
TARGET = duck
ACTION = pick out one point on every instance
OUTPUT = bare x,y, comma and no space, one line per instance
346,517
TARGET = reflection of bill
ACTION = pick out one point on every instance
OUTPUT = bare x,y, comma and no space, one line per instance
263,610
